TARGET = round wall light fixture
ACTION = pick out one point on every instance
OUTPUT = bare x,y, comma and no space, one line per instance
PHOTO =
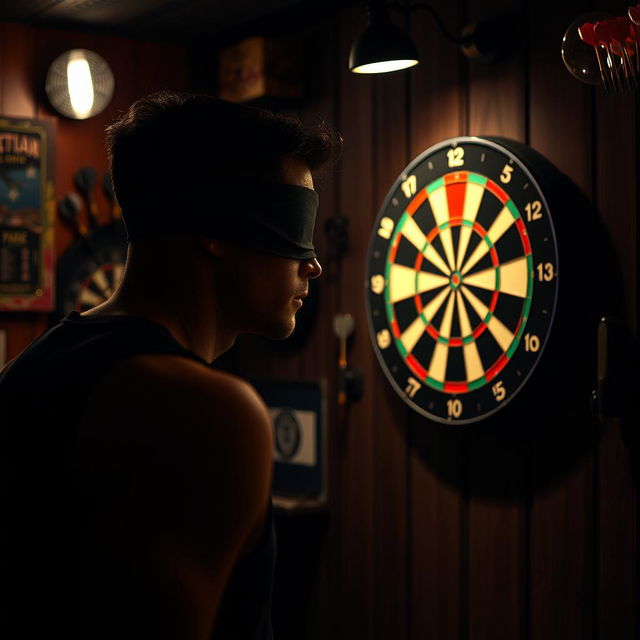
79,84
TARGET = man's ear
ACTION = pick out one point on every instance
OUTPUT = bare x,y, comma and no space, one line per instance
212,246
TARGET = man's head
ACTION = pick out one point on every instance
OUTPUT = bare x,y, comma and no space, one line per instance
211,187
192,163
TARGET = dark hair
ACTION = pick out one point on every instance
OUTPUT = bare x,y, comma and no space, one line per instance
169,143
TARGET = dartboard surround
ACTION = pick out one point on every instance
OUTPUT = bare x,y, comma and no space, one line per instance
462,279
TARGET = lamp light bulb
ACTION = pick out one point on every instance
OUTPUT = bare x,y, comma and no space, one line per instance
80,85
384,67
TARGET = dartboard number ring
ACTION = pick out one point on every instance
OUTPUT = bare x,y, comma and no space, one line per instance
462,279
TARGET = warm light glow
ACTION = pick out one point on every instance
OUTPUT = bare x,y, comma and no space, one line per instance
80,85
385,66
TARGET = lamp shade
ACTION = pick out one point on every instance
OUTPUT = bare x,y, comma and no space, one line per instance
382,47
79,84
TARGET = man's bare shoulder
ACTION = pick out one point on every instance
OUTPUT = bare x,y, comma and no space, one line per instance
182,431
168,386
178,457
181,374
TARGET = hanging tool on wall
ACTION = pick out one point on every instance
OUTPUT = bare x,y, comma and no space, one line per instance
85,181
618,372
349,378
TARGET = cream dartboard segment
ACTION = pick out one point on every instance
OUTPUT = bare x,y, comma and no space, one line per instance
462,278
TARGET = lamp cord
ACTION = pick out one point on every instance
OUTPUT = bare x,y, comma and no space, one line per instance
438,20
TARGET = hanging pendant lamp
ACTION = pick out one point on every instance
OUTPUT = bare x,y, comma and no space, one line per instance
382,47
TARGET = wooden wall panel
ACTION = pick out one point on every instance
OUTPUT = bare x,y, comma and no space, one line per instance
353,500
390,554
497,89
616,172
19,70
562,586
319,355
168,71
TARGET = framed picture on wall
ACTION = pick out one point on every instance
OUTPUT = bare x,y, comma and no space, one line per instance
26,215
298,413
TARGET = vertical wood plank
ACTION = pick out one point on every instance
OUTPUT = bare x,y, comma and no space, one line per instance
616,156
20,71
318,358
497,533
353,499
159,66
616,171
391,150
437,562
438,558
562,514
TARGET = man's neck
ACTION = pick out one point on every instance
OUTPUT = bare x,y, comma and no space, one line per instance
194,329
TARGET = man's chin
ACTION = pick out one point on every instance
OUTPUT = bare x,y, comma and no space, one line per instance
278,332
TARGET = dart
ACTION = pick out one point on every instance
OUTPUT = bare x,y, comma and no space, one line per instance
85,180
616,29
343,325
602,39
69,207
587,35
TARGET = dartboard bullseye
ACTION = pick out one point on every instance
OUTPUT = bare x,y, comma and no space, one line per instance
462,279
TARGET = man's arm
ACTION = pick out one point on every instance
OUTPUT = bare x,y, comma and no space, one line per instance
182,457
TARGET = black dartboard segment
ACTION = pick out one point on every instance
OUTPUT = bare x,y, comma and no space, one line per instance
462,278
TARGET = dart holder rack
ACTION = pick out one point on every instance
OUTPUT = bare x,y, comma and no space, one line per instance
613,43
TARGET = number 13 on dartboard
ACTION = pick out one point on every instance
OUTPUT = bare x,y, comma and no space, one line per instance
462,278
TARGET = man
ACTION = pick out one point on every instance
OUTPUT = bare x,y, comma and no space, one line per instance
136,478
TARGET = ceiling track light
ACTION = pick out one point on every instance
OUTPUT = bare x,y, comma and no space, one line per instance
384,47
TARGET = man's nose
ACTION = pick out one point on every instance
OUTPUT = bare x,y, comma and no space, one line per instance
312,268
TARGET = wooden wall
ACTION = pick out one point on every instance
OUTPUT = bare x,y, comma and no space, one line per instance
523,527
25,55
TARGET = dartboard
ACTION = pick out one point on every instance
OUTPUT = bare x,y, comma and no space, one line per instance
462,278
89,272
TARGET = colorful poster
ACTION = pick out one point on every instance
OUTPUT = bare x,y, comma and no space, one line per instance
26,215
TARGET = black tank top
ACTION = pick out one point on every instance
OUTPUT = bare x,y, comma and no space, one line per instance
42,399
